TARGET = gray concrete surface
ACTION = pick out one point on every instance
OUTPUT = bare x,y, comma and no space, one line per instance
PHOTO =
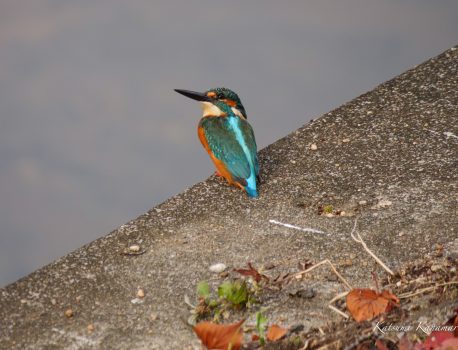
389,158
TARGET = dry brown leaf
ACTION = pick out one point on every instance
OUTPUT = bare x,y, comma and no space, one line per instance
380,345
438,340
449,344
275,332
405,344
455,324
365,304
220,337
251,271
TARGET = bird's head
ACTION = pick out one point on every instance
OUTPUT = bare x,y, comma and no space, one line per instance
217,102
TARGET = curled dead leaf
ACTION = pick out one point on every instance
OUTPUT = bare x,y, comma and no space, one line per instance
220,337
439,340
405,344
275,332
380,345
365,304
251,271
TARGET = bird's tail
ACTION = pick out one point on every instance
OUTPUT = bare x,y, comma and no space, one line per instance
252,192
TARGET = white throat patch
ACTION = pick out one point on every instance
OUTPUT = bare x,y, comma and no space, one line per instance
210,109
237,112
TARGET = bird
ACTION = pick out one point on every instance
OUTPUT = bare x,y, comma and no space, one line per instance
228,137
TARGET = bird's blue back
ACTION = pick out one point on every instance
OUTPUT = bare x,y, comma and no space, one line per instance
231,140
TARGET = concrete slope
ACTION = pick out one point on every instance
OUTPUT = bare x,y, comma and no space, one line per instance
388,158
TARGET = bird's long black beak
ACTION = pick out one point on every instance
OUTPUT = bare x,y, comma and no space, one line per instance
199,96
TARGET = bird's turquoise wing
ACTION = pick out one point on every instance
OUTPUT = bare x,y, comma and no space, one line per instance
248,135
223,143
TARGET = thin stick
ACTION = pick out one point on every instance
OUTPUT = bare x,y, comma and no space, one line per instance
421,291
328,346
360,241
306,345
326,261
304,229
333,308
338,296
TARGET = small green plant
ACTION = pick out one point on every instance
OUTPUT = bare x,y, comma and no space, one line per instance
229,295
328,209
203,290
234,293
261,324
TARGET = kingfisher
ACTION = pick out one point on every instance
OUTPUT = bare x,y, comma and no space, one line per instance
228,137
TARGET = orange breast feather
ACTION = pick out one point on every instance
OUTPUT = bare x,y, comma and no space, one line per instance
222,169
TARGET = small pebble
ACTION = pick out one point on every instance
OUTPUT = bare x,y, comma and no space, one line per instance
53,301
384,203
140,293
90,328
435,268
345,263
398,283
69,313
345,140
217,268
136,301
363,202
23,301
313,147
153,316
269,266
308,293
134,248
332,278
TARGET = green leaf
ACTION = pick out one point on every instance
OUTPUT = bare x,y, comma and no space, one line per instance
225,290
240,294
261,323
213,303
203,289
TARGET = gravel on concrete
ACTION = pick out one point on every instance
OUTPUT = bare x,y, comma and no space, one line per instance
388,157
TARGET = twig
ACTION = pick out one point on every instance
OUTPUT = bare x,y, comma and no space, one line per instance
333,308
360,240
326,261
421,291
304,229
338,296
329,345
306,345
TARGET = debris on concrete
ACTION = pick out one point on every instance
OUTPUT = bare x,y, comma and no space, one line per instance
397,174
